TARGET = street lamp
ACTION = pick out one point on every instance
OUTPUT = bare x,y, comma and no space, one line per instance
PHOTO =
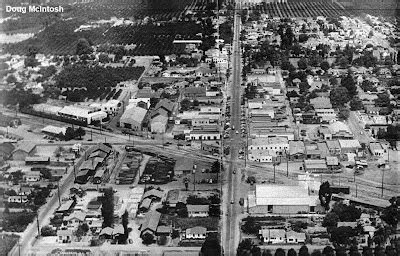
194,177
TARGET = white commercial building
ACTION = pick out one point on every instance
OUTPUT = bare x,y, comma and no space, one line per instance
82,113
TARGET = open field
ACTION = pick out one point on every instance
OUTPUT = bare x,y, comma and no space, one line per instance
301,9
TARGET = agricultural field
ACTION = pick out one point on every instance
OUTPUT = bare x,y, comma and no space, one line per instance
301,9
148,26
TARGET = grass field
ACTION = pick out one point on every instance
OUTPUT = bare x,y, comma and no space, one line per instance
211,223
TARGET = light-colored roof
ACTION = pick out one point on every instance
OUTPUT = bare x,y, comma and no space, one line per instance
81,111
298,235
145,203
153,192
352,224
375,146
164,229
135,114
349,144
196,230
151,222
296,147
76,215
332,144
332,160
54,129
339,126
25,146
315,164
106,231
37,159
198,208
265,232
159,119
118,229
283,195
64,232
65,206
269,141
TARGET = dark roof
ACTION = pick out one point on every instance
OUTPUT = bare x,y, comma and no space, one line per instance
7,148
165,104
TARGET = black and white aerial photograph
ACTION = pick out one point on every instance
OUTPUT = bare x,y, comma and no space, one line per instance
199,128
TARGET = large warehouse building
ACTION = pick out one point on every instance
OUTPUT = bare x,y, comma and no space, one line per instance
281,199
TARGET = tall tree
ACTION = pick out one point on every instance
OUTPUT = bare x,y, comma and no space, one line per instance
325,194
211,247
83,47
107,208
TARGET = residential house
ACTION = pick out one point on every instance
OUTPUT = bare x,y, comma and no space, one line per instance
293,237
192,92
23,150
272,236
65,207
196,233
64,235
17,199
75,219
133,118
32,176
197,210
151,223
164,230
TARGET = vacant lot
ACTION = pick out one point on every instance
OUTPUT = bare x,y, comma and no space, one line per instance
211,223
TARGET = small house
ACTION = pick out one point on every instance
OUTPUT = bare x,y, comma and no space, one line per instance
197,210
196,233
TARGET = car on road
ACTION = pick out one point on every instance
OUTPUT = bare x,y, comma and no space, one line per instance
237,132
232,202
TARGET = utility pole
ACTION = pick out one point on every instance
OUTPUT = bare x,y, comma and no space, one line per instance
194,177
383,177
274,164
37,221
287,164
58,189
356,189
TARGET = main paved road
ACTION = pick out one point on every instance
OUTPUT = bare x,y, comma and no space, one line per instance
231,232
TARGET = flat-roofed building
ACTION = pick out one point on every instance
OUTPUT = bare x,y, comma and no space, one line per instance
82,113
133,118
282,199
